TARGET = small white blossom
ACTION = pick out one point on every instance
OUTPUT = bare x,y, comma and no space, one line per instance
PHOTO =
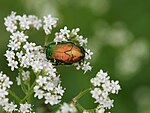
52,99
88,54
10,107
67,108
96,92
65,32
75,31
24,23
19,37
41,80
25,108
38,93
37,23
10,55
13,64
59,38
100,110
10,22
115,86
49,23
86,67
82,41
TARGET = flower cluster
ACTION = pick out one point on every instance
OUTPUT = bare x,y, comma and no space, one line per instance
67,108
26,56
66,35
103,87
38,76
48,87
10,107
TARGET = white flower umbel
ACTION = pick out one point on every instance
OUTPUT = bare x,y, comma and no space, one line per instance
25,108
103,87
49,88
49,23
5,84
67,108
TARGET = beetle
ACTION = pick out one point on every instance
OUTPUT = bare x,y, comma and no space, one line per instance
64,53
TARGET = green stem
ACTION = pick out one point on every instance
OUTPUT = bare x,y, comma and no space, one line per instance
75,99
81,109
14,95
82,93
29,93
46,41
22,83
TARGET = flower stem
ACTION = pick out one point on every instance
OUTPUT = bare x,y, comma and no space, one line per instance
46,41
82,93
29,93
22,83
14,95
75,99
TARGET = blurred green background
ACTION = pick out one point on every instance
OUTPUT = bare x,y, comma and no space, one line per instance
118,33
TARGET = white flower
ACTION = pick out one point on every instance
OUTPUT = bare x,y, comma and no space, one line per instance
3,92
10,22
96,81
24,23
37,23
75,31
29,46
107,86
100,110
10,107
67,108
14,45
41,80
49,23
88,54
107,103
3,101
103,76
115,86
103,87
10,55
13,64
49,86
37,66
19,54
59,90
82,41
59,38
19,36
52,99
96,92
38,93
65,32
86,67
25,62
25,108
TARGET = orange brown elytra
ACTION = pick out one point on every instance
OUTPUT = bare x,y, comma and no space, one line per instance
64,53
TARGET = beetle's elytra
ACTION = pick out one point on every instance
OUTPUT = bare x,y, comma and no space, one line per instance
65,52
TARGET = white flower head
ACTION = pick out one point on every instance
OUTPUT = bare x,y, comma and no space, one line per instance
67,108
65,32
88,54
49,23
25,108
10,22
103,87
